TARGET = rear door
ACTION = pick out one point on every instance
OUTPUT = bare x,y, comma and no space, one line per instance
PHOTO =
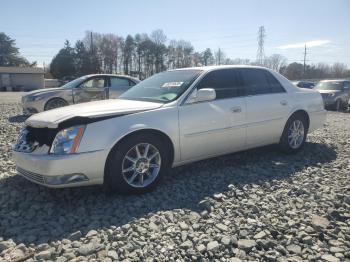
215,127
94,88
268,104
118,85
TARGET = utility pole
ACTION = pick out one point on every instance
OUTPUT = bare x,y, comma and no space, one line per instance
261,39
304,69
91,45
219,56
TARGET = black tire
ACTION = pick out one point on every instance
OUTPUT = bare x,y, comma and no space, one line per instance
284,141
114,181
344,106
337,105
55,103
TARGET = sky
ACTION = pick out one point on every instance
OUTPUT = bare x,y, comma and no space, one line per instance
40,27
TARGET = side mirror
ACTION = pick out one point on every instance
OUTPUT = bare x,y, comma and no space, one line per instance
201,95
205,94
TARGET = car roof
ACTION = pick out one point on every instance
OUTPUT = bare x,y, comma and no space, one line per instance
209,68
124,76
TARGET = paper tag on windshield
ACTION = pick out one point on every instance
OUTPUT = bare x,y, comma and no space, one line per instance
172,84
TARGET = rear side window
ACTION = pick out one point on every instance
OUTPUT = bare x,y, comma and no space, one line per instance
119,82
259,82
226,83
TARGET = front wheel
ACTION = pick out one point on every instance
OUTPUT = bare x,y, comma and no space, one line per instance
55,103
136,165
294,134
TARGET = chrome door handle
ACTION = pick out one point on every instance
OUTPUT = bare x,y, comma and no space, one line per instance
284,103
236,109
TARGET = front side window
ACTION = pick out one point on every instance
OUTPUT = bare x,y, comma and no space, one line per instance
226,83
74,83
259,82
98,82
163,87
119,82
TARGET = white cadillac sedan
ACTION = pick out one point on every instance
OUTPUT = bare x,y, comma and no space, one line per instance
167,120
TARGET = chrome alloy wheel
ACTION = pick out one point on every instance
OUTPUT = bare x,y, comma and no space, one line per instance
296,134
141,165
55,103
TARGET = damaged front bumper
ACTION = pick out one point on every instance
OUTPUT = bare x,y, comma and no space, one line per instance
31,107
61,170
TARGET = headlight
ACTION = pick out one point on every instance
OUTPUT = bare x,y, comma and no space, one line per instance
67,140
32,98
332,94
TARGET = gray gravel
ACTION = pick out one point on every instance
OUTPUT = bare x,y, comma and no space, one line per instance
259,205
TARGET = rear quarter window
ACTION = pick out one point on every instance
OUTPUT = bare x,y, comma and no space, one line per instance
259,81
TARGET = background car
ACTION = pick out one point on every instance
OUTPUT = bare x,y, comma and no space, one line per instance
304,84
169,119
335,93
84,89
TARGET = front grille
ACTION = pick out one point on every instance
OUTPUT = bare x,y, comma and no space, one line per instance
324,95
31,176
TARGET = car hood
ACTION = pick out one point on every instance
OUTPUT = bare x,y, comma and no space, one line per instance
45,91
91,110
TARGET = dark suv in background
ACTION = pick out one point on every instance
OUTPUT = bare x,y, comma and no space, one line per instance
304,84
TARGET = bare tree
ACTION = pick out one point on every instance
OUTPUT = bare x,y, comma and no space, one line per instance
207,57
275,62
220,57
142,55
338,70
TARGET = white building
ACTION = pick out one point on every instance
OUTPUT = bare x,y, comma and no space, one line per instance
21,78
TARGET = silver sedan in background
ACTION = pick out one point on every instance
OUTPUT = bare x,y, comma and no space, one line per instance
83,89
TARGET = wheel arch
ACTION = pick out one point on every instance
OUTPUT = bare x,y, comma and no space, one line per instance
53,98
164,137
296,112
303,113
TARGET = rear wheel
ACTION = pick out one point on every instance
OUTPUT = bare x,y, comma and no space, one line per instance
338,105
55,103
136,165
294,134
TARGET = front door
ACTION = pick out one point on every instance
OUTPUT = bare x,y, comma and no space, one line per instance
268,105
92,89
214,127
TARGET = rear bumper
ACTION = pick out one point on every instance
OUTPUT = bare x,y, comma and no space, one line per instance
317,119
62,171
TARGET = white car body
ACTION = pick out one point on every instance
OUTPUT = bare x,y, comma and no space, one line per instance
196,130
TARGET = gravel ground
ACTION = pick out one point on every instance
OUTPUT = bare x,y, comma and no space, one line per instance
11,97
259,205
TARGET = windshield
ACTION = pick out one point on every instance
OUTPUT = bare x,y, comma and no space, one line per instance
333,85
163,87
74,83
